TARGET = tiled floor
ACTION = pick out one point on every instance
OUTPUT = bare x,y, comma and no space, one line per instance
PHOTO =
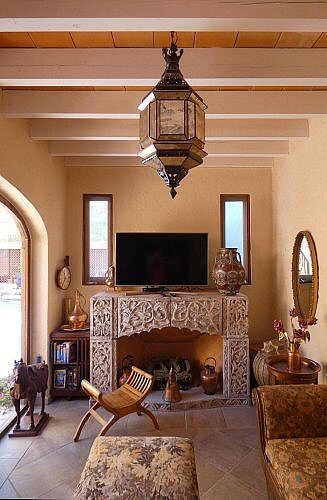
49,465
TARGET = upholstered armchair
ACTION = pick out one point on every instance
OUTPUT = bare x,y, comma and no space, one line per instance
292,425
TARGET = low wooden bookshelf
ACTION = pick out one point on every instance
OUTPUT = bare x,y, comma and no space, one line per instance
70,362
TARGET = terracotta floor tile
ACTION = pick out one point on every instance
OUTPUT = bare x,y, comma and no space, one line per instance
229,488
51,470
14,447
8,491
247,436
63,491
205,418
220,450
168,419
207,473
238,416
250,472
6,466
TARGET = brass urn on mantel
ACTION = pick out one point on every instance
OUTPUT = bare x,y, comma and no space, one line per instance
228,272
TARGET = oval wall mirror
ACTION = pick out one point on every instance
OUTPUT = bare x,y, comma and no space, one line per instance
305,278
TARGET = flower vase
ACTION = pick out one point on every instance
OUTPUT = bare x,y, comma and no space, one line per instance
294,358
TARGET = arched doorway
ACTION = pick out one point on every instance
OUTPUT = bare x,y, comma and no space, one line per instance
14,300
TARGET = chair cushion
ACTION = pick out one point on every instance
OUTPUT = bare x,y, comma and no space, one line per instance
300,466
294,411
135,468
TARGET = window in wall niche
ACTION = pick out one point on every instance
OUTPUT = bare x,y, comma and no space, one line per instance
97,219
235,227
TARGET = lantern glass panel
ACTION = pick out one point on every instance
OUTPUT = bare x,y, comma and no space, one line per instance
144,124
153,120
191,119
199,123
171,117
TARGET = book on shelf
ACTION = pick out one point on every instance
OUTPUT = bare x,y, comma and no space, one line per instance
72,378
64,352
66,378
59,379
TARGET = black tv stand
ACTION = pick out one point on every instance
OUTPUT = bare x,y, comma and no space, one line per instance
155,289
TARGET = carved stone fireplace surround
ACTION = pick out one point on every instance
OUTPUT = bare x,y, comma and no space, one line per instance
116,314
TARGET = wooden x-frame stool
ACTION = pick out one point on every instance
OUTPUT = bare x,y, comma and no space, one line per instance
127,399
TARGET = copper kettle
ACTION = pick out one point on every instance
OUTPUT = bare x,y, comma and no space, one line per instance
126,368
209,376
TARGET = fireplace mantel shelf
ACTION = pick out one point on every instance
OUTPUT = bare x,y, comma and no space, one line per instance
118,314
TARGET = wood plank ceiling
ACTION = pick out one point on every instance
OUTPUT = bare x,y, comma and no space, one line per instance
95,123
128,39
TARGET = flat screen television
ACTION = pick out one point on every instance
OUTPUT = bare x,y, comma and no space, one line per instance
161,259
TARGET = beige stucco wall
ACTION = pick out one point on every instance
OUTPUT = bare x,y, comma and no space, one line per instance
288,198
141,202
35,184
299,203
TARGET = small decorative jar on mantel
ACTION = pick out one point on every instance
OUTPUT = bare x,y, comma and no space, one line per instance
228,272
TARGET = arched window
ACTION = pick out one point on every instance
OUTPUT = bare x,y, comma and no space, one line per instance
14,301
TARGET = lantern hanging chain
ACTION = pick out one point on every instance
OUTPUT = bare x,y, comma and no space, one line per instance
173,37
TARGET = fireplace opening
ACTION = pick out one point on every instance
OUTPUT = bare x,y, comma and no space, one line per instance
172,343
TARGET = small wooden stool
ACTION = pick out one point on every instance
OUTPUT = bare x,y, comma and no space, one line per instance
128,467
121,402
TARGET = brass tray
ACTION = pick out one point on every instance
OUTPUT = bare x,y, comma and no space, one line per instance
66,328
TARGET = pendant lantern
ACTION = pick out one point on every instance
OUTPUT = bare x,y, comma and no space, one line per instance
172,124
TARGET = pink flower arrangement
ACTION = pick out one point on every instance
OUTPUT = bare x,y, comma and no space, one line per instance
300,334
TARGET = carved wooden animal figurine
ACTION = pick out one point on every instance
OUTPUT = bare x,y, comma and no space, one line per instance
28,381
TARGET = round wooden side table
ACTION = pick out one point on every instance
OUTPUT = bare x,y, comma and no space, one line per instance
280,374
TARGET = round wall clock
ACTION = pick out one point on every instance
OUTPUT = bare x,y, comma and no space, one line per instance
64,275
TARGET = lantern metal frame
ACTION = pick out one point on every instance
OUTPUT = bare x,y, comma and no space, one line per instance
172,123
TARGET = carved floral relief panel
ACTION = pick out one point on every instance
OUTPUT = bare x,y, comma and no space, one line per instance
197,313
236,359
102,317
142,314
236,323
101,356
226,368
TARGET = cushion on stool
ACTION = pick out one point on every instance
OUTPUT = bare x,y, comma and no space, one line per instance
136,468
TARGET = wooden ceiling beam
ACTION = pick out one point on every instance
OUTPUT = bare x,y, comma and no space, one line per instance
128,130
144,66
129,161
123,105
166,15
130,148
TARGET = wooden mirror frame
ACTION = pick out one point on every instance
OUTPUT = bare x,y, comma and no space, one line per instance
295,274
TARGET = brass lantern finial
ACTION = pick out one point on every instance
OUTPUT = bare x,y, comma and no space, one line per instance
172,123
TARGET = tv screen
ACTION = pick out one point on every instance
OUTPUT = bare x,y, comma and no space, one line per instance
161,259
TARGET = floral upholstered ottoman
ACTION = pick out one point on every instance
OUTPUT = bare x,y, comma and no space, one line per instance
135,468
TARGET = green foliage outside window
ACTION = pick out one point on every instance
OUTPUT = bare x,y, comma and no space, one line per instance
5,399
